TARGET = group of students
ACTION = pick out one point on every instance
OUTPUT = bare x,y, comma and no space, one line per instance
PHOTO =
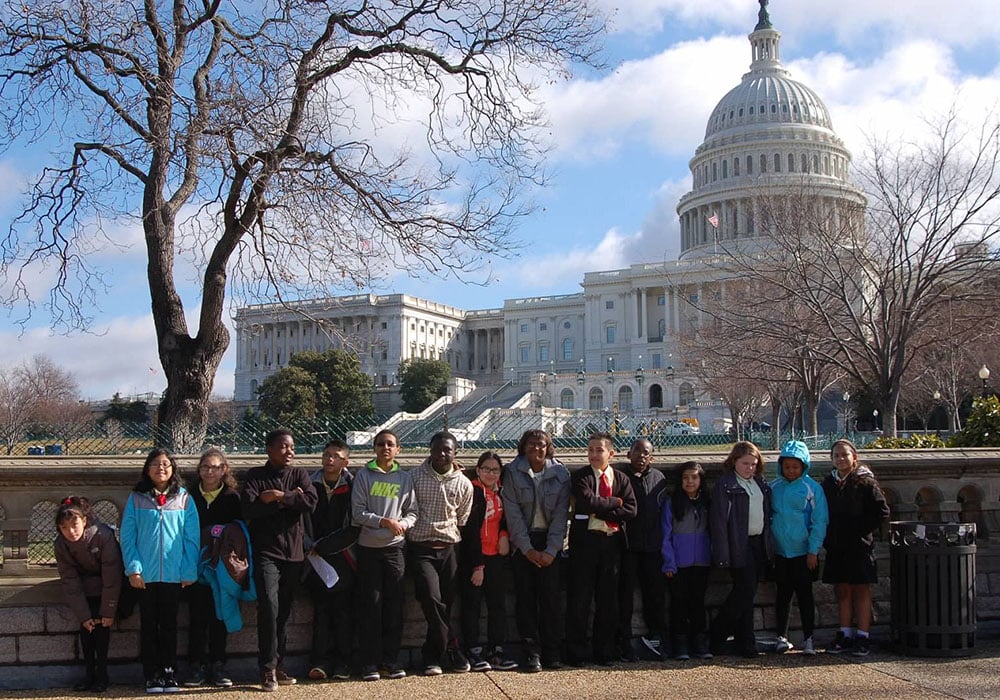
460,535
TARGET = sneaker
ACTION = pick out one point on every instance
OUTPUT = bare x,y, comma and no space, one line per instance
197,676
394,671
628,654
840,644
533,664
701,647
476,660
653,643
808,648
681,648
499,661
154,686
782,645
283,678
170,684
370,673
268,682
862,646
217,675
457,663
433,670
316,673
341,672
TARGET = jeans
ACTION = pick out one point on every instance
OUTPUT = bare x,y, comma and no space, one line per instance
276,580
379,594
434,582
494,590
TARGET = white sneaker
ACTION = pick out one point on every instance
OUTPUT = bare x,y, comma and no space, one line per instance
807,647
782,645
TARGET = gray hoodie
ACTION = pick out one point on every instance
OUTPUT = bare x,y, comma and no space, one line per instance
377,494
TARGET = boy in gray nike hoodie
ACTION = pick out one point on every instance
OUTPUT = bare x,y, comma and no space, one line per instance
384,505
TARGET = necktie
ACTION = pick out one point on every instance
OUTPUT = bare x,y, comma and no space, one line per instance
604,491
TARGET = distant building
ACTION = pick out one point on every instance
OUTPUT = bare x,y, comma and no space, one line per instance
769,134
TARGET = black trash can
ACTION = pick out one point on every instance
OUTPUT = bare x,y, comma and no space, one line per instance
933,572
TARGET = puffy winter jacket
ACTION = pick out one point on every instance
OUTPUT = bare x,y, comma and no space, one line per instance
519,503
161,542
799,516
729,519
686,541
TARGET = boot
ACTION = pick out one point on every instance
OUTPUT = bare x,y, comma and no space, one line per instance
101,682
87,683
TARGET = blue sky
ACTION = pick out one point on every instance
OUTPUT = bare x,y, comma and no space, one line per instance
622,139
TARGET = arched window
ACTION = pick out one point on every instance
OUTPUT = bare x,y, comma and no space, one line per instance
791,163
566,398
777,163
595,400
656,396
567,349
661,327
763,163
625,398
750,165
736,167
805,164
725,169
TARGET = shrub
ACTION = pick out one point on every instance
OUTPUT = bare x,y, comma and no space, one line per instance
982,427
917,441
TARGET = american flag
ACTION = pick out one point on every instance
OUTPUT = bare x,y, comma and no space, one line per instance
714,220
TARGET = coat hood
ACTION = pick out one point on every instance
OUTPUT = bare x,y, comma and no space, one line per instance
798,450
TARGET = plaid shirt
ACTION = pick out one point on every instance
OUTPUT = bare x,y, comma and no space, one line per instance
445,502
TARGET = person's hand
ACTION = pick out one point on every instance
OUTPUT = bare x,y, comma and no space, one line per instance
394,526
617,502
135,580
532,556
477,576
668,574
271,495
545,559
88,625
185,584
107,622
812,561
503,545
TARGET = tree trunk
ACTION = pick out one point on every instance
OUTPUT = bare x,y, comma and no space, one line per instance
189,365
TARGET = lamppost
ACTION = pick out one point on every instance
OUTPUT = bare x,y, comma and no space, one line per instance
847,412
581,376
875,417
984,374
639,378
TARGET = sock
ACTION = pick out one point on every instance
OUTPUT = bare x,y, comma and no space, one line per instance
861,634
848,632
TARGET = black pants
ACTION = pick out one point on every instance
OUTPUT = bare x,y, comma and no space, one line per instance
793,576
204,624
379,595
687,601
158,604
594,562
644,569
538,606
434,583
333,634
94,645
275,580
494,590
736,614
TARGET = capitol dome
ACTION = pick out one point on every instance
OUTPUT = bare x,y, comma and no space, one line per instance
767,135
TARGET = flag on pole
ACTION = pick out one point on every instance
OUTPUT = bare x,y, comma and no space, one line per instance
714,219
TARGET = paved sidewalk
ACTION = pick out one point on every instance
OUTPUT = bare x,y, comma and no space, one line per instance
881,675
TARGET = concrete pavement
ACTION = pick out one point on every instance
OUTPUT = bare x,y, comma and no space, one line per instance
882,675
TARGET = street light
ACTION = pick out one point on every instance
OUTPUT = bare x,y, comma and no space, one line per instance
875,416
984,374
581,376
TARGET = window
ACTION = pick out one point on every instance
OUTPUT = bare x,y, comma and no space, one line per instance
686,394
595,399
777,163
567,325
791,163
725,169
661,300
384,325
524,327
543,326
543,352
657,360
609,334
661,327
608,305
750,163
566,398
736,167
625,398
567,349
525,354
763,163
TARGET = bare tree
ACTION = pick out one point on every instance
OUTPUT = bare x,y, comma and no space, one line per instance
257,140
38,392
865,292
15,407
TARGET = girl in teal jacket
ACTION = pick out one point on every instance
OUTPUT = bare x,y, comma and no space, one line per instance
798,524
160,539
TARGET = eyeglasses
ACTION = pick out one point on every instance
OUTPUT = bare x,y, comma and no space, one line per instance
211,467
538,445
490,470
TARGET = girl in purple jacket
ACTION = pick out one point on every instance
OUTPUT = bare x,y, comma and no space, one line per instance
687,556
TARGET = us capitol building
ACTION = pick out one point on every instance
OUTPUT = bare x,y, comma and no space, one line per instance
616,342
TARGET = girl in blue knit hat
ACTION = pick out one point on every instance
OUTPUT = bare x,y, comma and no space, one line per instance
798,523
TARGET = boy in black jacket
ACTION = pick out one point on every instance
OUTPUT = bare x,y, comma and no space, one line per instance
332,538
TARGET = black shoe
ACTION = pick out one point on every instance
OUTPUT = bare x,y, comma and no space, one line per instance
457,663
341,672
840,645
628,655
533,664
100,684
154,686
170,684
217,675
395,671
552,664
197,676
681,648
476,660
654,643
500,661
700,647
370,673
862,647
85,685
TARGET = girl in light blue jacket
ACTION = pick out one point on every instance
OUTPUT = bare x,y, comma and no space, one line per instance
160,540
798,524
